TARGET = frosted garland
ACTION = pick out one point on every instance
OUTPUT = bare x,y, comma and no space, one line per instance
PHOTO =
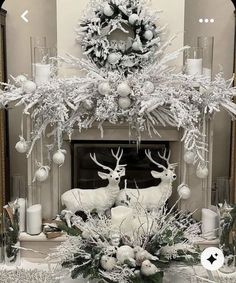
145,100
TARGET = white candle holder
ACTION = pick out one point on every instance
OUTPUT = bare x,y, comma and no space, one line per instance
193,61
36,41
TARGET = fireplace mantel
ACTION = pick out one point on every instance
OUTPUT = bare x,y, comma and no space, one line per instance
59,181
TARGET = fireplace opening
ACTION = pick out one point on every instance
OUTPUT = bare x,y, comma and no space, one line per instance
138,170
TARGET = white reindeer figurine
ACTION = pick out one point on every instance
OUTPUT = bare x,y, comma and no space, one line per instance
152,197
100,199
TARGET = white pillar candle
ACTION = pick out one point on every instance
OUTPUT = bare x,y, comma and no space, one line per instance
121,218
42,73
210,224
194,67
34,219
22,203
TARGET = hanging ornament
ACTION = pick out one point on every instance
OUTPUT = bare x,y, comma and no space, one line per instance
107,10
19,80
21,145
137,46
189,157
114,58
133,19
184,191
149,87
42,173
148,35
123,89
29,87
124,253
59,157
124,102
108,263
202,172
104,88
88,104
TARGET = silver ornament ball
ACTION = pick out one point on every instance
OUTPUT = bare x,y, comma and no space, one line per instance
123,89
149,87
104,88
21,146
184,192
29,87
124,253
133,19
124,102
189,157
137,46
108,11
108,263
41,175
202,172
148,35
58,157
114,58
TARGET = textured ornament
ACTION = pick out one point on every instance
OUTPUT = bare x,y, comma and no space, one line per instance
189,157
148,35
124,102
19,80
149,87
115,238
202,172
133,19
41,174
141,255
123,89
108,263
59,157
107,10
137,46
21,145
148,268
29,87
104,88
88,105
184,191
124,253
114,58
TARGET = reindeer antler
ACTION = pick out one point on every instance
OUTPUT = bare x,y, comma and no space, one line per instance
167,159
94,158
118,156
149,156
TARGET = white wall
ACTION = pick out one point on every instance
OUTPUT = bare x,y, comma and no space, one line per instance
42,22
69,12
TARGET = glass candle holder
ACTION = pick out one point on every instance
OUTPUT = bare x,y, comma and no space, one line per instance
206,43
193,61
36,41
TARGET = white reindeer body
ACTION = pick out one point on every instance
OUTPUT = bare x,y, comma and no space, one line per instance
152,197
100,199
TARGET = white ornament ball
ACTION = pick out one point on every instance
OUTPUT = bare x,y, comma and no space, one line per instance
41,175
58,157
189,157
184,192
149,87
123,89
148,268
104,88
137,46
21,146
148,35
124,253
133,19
29,87
202,172
19,80
124,102
107,10
114,58
108,263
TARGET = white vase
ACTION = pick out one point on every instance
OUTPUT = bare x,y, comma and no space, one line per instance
210,224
